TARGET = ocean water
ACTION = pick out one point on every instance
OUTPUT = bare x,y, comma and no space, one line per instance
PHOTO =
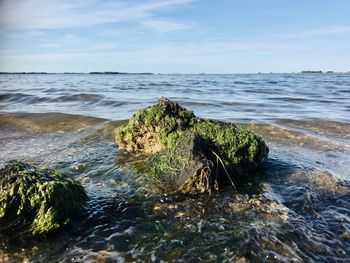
299,212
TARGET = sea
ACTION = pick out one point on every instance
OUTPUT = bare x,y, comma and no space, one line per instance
298,212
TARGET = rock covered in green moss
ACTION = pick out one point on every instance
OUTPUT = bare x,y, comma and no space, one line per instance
189,154
183,168
37,200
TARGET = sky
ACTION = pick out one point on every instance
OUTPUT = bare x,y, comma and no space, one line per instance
174,36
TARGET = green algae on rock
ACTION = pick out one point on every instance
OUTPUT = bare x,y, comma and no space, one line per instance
188,154
183,168
35,200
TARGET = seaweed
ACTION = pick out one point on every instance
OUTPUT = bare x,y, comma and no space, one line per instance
188,154
37,201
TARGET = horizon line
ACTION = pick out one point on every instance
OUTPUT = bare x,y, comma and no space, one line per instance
173,73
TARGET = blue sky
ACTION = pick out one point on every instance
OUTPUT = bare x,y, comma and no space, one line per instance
174,36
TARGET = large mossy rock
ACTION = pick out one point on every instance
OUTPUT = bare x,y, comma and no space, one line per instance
37,201
188,154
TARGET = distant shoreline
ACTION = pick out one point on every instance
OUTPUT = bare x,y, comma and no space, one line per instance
150,73
94,72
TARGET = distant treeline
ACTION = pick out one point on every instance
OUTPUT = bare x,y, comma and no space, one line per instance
321,72
107,72
26,73
120,73
312,72
40,73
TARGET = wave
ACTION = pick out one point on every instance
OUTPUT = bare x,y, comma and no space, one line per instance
10,99
344,91
326,136
46,122
16,97
320,127
199,104
78,97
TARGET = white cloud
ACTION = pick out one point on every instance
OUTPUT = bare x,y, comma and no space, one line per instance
109,33
167,26
102,46
319,32
106,51
329,30
22,33
49,45
70,37
209,57
49,14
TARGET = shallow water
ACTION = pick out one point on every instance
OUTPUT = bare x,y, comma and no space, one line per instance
299,212
237,97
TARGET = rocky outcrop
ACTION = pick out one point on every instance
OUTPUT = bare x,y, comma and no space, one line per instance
37,201
188,154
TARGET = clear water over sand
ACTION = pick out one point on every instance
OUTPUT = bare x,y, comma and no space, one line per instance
300,211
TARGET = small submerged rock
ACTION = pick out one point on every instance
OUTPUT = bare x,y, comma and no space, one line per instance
37,200
187,154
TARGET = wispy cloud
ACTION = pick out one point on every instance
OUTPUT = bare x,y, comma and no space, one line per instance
320,32
167,26
226,56
106,51
120,34
49,45
49,14
34,33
